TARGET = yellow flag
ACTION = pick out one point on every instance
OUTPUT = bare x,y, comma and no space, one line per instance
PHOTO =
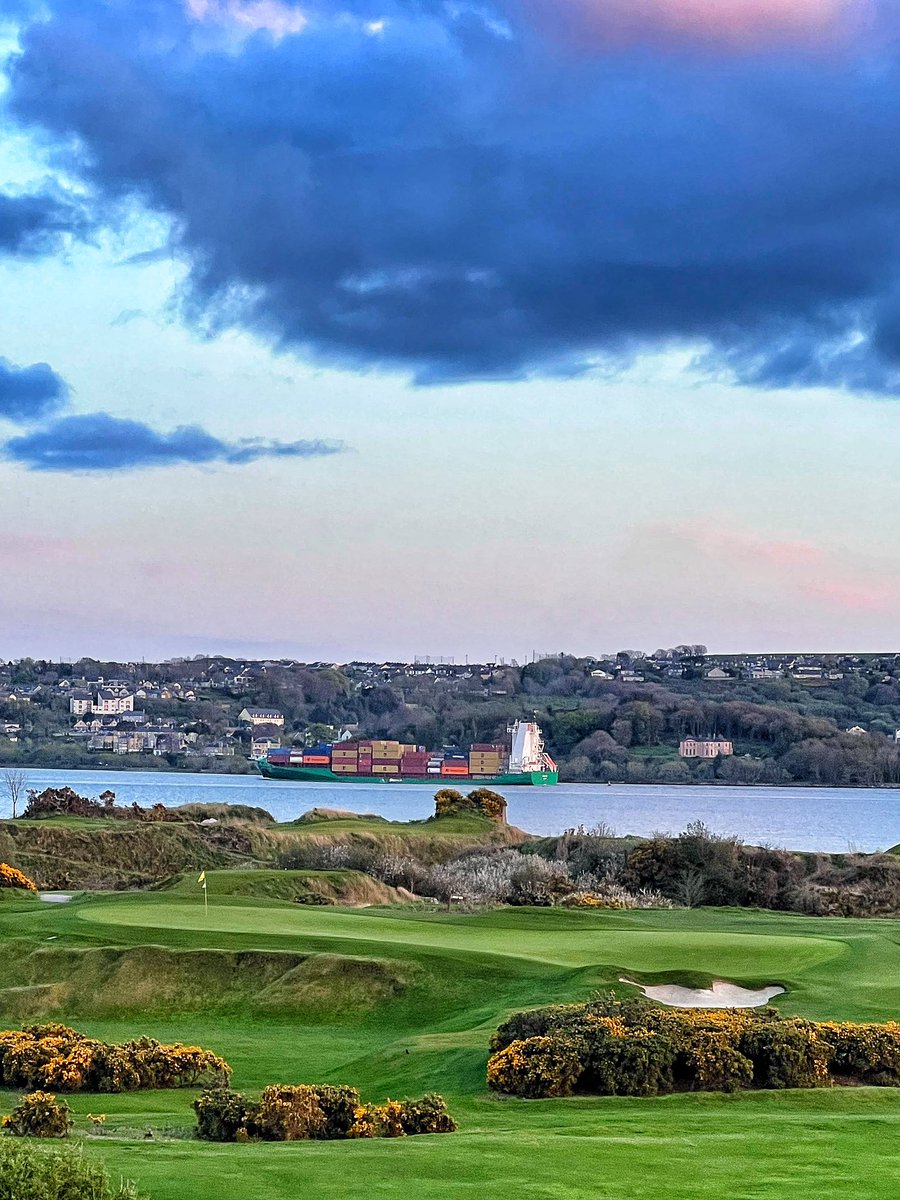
202,878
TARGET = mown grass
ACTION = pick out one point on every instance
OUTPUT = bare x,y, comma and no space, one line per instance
401,1001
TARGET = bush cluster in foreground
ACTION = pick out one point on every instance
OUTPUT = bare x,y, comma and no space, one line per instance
28,1173
610,1048
300,1112
55,1056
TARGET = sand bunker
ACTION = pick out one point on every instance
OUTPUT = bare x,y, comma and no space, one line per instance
55,897
721,994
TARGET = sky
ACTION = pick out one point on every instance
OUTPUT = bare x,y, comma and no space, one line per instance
396,328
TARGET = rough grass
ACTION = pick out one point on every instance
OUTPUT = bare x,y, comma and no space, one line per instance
400,1001
92,853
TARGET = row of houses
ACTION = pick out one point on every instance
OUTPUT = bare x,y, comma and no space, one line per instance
157,742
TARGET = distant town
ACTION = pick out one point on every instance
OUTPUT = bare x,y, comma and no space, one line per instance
669,715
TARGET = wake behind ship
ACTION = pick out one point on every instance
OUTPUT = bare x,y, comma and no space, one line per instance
520,760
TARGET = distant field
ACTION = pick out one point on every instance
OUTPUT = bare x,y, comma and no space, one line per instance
400,1001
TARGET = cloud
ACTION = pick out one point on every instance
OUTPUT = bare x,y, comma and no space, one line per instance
30,393
37,223
738,24
463,197
251,15
100,442
759,565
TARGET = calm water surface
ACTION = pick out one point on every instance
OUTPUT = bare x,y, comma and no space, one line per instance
834,819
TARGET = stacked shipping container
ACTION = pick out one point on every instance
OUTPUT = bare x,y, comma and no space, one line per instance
485,759
382,757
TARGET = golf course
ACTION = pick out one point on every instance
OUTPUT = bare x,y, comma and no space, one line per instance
398,1001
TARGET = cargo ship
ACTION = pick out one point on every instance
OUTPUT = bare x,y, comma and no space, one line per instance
522,759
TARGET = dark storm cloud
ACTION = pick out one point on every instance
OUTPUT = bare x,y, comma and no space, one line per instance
100,442
35,224
463,193
29,393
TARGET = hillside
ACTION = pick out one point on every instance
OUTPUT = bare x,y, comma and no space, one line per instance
613,719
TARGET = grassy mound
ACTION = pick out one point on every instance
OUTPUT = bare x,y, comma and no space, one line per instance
141,980
72,852
338,887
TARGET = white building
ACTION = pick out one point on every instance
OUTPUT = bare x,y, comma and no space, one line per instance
261,716
105,702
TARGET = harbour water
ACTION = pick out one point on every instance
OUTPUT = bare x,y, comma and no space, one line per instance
830,819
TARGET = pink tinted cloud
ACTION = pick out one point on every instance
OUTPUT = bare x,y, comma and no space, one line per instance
738,24
771,566
741,545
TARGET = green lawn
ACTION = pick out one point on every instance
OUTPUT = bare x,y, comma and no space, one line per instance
399,1001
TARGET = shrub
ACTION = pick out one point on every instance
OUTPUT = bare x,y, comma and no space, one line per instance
58,1057
613,895
536,1067
448,802
869,1053
287,1113
27,1173
632,1048
490,804
711,1063
221,1113
787,1054
338,1105
534,1022
11,877
428,1115
623,1061
378,1120
39,1115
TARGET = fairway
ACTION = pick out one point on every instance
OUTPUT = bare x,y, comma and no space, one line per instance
398,1001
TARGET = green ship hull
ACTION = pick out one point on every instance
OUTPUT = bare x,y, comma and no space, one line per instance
301,774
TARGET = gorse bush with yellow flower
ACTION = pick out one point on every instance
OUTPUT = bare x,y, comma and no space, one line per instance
614,1048
55,1056
12,877
313,1112
39,1115
448,802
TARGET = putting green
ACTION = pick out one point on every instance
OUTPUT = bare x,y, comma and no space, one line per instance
579,944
